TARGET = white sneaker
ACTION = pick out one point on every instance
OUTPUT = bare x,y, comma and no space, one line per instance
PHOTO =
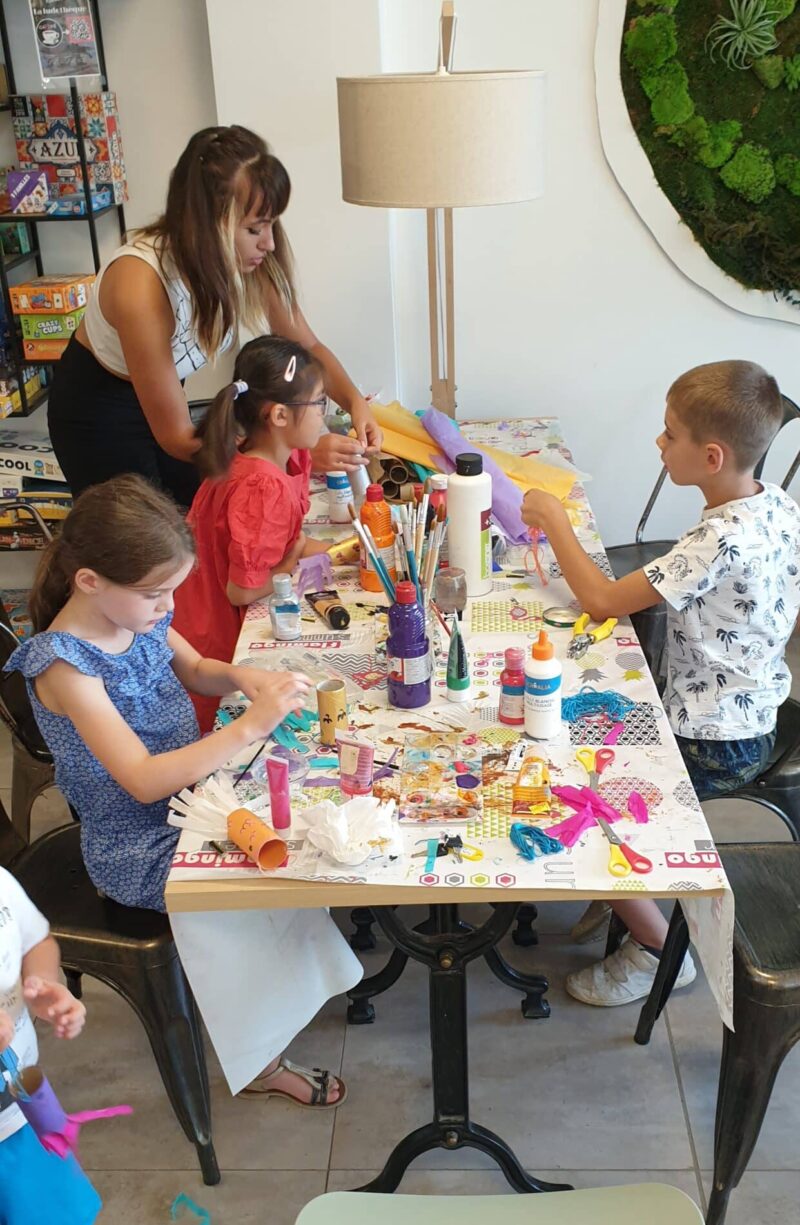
622,978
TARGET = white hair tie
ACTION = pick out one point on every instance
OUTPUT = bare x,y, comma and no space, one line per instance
289,372
239,388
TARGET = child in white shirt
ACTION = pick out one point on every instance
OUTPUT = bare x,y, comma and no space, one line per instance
732,593
36,1187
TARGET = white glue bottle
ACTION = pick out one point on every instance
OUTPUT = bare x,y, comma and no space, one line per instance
469,513
542,691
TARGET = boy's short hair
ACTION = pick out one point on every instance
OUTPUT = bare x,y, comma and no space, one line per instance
734,402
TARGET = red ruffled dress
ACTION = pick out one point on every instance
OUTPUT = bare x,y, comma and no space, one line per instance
244,525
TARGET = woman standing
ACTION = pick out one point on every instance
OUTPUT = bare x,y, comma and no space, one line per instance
174,299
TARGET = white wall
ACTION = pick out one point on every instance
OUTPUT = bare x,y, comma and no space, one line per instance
275,68
564,305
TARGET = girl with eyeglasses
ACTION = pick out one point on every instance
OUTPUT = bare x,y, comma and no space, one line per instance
247,516
171,300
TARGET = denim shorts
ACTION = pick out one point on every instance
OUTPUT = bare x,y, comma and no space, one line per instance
39,1188
717,767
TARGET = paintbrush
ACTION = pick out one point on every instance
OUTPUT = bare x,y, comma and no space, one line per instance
422,517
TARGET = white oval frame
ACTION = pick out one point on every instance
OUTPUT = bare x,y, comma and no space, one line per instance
633,172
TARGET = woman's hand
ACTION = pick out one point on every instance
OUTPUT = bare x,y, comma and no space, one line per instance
278,695
337,453
53,1002
368,432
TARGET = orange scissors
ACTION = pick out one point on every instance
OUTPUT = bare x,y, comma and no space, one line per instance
623,859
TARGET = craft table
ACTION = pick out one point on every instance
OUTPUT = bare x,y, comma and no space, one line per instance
676,838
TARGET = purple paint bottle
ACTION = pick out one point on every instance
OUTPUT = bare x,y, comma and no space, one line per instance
408,651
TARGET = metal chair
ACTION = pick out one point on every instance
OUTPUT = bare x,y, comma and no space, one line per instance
133,952
765,879
32,770
653,1203
651,623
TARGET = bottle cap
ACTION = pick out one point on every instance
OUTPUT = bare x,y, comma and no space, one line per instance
405,593
282,584
374,493
419,490
469,464
543,649
515,657
439,481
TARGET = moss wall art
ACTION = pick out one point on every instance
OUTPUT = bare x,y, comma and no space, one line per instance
712,88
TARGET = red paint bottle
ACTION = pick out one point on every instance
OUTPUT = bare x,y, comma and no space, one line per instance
512,688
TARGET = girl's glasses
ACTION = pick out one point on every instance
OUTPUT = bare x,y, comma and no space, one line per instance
323,403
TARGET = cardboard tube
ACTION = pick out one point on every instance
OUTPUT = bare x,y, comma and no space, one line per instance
399,473
257,839
391,491
332,704
345,552
41,1108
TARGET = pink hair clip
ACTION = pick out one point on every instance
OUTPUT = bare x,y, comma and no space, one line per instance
290,370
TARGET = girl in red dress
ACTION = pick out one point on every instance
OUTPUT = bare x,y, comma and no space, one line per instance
247,515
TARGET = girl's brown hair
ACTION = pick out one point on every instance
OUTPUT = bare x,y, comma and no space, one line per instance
268,370
223,174
122,530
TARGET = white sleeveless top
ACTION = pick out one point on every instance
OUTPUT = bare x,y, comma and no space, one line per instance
104,339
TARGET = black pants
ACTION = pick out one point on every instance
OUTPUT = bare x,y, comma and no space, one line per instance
98,430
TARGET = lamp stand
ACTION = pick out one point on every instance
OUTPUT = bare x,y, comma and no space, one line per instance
441,316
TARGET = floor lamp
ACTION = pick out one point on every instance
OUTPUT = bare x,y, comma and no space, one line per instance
440,141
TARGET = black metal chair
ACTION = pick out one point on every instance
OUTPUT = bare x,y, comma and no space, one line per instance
32,769
133,952
651,623
765,879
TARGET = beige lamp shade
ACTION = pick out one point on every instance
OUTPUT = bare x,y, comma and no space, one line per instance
442,140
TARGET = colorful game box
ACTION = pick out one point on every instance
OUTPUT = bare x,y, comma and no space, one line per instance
51,327
46,139
10,398
27,454
52,295
28,191
43,350
14,239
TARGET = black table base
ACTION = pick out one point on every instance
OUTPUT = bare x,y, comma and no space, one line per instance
446,945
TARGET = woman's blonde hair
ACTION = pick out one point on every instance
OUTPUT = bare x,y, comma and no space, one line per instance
122,529
223,174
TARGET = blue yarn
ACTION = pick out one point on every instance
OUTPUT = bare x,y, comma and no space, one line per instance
532,842
592,702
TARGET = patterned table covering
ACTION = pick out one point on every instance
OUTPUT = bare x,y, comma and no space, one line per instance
676,838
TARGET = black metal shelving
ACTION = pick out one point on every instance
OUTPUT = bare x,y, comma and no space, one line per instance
32,221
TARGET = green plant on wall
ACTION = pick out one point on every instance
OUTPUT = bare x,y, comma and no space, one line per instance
746,35
711,87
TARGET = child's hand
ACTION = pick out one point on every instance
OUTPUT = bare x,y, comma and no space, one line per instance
278,694
292,555
55,1003
541,509
338,453
6,1031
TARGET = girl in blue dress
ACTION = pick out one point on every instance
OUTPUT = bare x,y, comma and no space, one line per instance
108,677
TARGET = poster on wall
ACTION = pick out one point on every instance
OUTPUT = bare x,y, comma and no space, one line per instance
65,38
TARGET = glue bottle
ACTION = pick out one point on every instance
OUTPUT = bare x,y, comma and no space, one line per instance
469,513
376,515
542,691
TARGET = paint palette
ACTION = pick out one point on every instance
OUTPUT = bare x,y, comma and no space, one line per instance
441,778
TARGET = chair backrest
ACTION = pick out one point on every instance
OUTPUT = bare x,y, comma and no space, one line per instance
15,705
791,412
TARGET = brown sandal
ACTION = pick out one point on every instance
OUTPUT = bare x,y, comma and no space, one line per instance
321,1082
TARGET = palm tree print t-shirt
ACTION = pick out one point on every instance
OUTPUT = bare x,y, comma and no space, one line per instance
732,587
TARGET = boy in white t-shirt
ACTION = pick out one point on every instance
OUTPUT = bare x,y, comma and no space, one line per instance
36,1187
732,592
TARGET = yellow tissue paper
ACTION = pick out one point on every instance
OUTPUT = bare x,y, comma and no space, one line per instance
404,435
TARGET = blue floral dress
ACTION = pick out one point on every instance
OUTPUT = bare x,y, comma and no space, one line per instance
127,846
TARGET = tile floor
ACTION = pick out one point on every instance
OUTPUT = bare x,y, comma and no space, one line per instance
573,1095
